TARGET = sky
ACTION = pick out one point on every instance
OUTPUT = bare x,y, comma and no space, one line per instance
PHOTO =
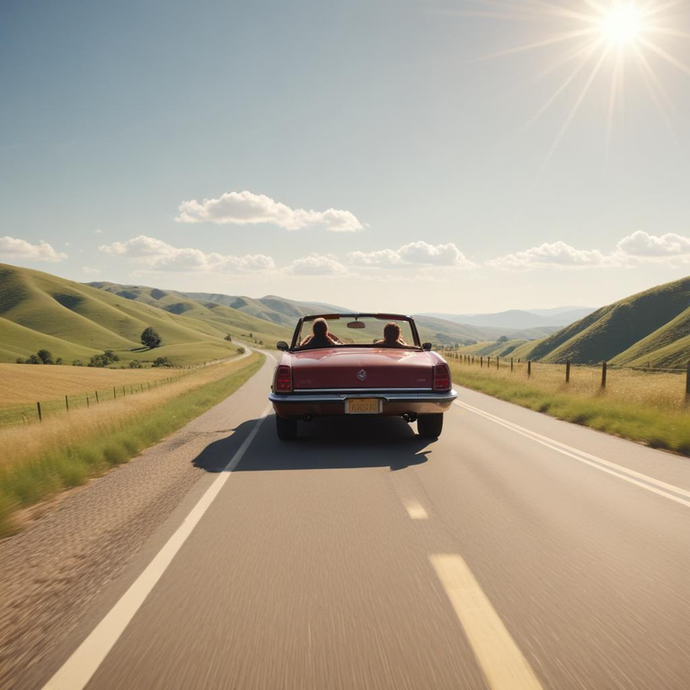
395,155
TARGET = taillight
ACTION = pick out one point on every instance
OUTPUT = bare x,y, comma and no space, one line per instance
441,377
284,380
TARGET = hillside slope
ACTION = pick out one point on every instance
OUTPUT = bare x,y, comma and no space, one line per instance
219,316
75,321
610,332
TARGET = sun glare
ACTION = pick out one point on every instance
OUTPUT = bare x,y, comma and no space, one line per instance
622,25
615,40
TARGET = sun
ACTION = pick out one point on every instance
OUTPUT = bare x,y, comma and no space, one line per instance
622,25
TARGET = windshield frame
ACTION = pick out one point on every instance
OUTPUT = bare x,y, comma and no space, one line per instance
294,345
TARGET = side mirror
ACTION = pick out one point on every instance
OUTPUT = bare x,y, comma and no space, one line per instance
427,346
282,346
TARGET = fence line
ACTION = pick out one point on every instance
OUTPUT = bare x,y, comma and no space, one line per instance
604,366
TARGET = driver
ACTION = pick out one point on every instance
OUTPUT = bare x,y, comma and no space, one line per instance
392,336
320,337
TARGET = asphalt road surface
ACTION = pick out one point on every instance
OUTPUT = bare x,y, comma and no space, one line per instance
514,552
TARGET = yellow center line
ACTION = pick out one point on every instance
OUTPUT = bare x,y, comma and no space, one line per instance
504,666
415,509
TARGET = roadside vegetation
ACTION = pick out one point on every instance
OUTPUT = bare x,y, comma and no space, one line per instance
38,460
648,407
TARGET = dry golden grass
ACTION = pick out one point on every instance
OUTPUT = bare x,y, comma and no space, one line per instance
649,407
26,383
21,442
661,390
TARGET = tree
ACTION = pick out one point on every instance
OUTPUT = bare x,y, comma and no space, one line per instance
162,362
150,338
240,350
77,363
502,339
45,356
228,337
135,364
34,359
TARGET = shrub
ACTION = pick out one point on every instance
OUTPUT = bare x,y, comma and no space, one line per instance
34,359
135,364
240,350
77,363
162,362
150,338
45,356
58,360
104,360
20,360
228,337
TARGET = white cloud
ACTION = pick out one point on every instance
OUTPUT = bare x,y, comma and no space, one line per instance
89,270
98,231
555,254
414,253
161,256
641,244
316,265
12,248
245,208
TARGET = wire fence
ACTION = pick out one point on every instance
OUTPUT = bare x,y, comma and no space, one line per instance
675,381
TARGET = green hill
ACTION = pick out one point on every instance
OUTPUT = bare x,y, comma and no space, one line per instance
493,348
651,326
214,314
76,321
270,308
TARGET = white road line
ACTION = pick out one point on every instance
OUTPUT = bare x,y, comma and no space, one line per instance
504,666
80,667
415,509
673,493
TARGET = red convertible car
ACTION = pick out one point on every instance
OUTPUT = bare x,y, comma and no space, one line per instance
360,364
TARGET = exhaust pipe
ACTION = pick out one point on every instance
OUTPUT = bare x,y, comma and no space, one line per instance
410,417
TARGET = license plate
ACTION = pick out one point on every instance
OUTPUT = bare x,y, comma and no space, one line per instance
362,406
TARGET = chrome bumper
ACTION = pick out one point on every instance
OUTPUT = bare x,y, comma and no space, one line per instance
333,403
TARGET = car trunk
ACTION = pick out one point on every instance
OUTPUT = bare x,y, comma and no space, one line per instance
353,368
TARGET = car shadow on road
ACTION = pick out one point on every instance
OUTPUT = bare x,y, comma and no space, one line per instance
323,444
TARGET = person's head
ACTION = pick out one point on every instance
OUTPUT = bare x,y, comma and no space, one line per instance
320,328
391,332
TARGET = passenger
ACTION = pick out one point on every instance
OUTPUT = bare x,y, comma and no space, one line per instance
392,336
320,337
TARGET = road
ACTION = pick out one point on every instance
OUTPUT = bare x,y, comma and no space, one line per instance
515,552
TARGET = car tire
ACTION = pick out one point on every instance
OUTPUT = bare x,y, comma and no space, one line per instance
430,425
286,428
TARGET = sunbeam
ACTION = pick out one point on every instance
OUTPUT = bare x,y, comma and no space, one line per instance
631,29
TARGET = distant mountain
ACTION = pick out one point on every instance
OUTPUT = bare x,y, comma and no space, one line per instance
649,327
270,308
520,319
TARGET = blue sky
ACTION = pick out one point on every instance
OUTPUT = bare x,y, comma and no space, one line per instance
429,192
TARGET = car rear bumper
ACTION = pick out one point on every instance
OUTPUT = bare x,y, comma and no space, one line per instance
331,404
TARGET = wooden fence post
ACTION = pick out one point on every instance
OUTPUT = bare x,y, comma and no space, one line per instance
481,361
687,385
67,403
498,362
38,407
529,368
511,364
567,371
488,362
603,374
114,394
87,401
97,400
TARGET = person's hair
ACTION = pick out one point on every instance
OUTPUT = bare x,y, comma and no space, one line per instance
391,331
320,327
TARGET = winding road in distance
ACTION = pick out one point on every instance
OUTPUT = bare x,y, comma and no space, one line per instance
515,552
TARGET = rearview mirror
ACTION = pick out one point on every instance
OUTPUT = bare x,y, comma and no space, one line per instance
356,324
427,346
282,345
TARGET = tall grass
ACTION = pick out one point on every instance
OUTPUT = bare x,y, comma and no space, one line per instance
40,460
641,406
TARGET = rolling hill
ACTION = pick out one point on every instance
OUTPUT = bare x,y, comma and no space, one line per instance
76,321
520,319
651,327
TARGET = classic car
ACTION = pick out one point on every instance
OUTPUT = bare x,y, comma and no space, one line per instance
360,364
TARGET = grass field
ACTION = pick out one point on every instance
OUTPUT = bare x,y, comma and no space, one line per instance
41,459
648,407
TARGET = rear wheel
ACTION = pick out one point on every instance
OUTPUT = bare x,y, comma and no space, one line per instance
286,428
430,425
